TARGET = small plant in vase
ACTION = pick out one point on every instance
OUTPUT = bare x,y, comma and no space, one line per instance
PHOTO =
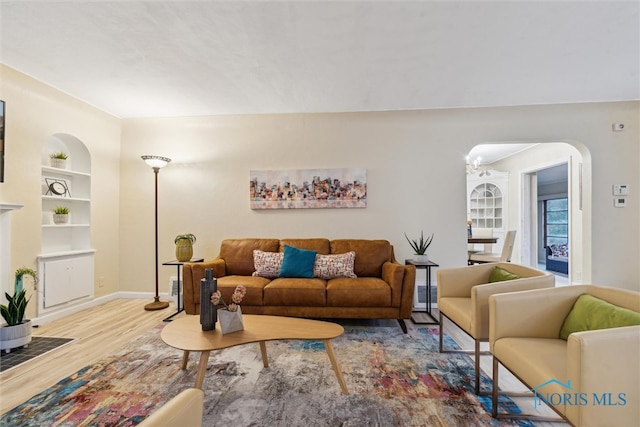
420,246
230,316
61,215
58,160
184,246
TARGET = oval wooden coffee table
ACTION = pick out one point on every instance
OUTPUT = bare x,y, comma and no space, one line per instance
186,334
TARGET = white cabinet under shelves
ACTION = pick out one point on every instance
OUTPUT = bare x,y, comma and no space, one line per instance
66,279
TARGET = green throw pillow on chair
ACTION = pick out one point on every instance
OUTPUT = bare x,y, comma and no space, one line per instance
590,313
500,275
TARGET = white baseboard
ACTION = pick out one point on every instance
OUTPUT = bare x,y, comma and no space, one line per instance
48,318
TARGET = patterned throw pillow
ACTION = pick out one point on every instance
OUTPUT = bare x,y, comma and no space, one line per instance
267,264
334,266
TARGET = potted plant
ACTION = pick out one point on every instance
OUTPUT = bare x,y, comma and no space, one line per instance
420,247
184,246
61,215
58,160
17,331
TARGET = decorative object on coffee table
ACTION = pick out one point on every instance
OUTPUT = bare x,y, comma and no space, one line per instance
420,247
17,331
156,163
231,315
208,310
184,246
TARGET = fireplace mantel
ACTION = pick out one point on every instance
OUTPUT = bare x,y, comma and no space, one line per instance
8,207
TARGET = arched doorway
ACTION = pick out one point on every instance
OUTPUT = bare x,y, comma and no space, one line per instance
522,163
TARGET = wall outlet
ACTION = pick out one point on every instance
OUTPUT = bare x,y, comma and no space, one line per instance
618,127
101,282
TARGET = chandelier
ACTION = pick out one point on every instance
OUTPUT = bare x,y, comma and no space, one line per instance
475,166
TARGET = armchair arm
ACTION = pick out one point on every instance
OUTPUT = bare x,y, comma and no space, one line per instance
457,282
192,273
602,362
480,299
402,280
185,409
531,314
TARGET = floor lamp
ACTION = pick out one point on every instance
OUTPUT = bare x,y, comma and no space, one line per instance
156,162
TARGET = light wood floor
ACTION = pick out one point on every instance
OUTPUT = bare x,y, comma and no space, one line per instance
99,331
104,329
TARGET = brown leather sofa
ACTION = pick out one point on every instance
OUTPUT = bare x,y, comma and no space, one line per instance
383,288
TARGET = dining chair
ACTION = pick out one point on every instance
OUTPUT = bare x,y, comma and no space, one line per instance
481,232
504,256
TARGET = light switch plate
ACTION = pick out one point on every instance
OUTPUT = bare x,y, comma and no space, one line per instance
620,190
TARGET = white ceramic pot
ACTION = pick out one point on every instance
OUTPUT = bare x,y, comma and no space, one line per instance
58,163
230,321
15,336
60,218
421,258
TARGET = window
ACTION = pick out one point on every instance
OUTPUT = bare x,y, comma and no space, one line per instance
556,222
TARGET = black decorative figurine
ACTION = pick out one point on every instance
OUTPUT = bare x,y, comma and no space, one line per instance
208,311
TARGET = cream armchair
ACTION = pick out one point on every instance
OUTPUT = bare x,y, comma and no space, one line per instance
463,298
592,378
184,410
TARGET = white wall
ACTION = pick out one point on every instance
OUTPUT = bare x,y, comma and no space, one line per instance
414,161
415,172
34,112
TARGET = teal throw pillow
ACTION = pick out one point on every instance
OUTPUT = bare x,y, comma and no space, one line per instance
500,275
590,313
297,262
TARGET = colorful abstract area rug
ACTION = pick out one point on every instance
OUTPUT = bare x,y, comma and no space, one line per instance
394,379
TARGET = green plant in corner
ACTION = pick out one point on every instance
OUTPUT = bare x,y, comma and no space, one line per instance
421,245
59,155
61,210
13,312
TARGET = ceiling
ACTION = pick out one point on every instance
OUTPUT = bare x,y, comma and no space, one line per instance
189,58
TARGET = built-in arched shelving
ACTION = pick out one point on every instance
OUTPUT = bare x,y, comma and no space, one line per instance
66,262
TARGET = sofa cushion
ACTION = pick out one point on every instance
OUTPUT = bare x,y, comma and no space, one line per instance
334,266
285,291
360,292
537,362
501,275
267,264
238,254
254,286
297,262
370,255
590,313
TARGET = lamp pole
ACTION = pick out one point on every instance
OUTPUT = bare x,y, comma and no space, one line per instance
156,162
